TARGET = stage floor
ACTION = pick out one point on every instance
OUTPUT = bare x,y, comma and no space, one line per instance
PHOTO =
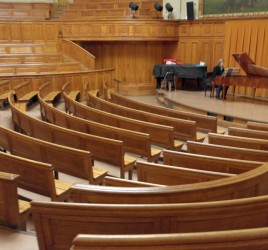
239,107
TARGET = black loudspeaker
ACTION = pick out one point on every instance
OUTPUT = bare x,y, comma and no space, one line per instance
190,10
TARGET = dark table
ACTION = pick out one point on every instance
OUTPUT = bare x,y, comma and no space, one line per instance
184,71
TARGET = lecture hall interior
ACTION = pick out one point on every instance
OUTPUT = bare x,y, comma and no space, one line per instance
111,135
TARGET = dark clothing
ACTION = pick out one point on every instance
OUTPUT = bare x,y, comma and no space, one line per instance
217,71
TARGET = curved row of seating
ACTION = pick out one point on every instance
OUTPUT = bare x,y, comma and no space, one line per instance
211,215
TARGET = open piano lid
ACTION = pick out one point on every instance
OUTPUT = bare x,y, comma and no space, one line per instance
250,68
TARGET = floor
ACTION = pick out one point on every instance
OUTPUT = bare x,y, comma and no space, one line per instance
239,107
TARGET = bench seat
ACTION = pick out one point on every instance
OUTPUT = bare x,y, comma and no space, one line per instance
28,96
52,96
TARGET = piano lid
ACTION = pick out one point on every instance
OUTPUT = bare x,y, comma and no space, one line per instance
244,61
250,68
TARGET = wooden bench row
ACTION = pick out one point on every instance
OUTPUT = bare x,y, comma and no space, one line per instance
25,95
159,134
246,239
257,126
103,149
31,58
238,141
204,123
175,175
64,159
134,142
5,90
247,184
227,151
73,219
27,48
50,93
183,129
208,163
36,177
13,212
38,68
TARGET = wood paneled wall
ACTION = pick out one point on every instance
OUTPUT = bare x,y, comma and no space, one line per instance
134,49
133,62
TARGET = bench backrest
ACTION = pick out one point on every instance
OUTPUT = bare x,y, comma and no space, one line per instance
58,223
45,89
104,149
209,163
170,175
118,182
257,126
203,122
226,151
5,86
64,159
183,129
246,239
238,141
35,176
250,133
160,135
22,89
9,207
248,184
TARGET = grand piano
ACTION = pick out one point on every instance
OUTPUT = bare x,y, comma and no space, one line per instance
183,71
256,76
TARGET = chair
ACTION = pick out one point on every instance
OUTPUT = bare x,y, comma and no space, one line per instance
207,82
168,81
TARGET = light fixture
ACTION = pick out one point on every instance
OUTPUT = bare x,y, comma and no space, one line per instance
169,9
134,7
158,8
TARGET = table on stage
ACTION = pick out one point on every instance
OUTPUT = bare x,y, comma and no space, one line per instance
183,71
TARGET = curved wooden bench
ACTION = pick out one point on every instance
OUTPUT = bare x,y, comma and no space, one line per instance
116,182
183,129
13,212
58,223
100,147
70,92
247,184
170,175
25,94
134,142
238,141
36,177
246,239
257,126
246,132
49,94
204,123
5,90
209,163
227,151
64,159
160,135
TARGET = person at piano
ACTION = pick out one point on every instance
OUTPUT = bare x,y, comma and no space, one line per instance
217,71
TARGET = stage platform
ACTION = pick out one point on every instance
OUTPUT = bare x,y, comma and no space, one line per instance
235,111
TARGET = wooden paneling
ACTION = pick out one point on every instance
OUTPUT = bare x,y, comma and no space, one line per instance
133,62
120,30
